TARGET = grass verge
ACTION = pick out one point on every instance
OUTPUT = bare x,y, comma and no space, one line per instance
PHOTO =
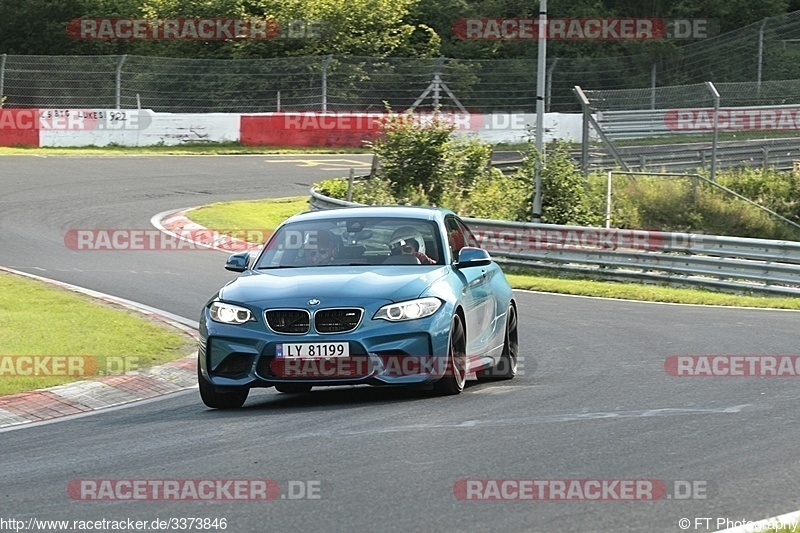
267,214
94,337
261,215
232,148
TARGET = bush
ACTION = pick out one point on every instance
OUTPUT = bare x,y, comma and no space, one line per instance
664,204
413,155
500,197
334,188
376,191
564,196
671,204
778,191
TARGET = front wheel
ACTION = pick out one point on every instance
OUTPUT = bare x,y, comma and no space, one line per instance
219,400
455,375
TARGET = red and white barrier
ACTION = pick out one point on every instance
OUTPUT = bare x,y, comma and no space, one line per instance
142,127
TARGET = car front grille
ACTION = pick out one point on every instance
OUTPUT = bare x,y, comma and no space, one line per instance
337,320
294,321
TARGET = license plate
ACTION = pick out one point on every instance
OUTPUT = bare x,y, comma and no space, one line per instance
312,350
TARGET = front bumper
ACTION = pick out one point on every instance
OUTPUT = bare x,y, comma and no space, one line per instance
381,353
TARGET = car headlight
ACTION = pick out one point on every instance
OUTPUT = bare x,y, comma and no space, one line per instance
229,314
410,310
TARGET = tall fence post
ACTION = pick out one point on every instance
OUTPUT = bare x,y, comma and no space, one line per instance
653,86
608,201
2,76
437,83
325,83
584,133
541,74
120,63
549,91
760,55
715,94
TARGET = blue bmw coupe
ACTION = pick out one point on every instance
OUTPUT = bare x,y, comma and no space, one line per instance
397,296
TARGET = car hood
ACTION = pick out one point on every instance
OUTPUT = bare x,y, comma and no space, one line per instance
383,283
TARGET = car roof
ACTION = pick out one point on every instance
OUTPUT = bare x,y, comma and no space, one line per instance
398,211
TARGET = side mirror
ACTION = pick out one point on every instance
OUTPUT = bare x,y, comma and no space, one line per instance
473,257
238,262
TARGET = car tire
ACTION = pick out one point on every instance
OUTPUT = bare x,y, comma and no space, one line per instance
220,400
506,367
293,388
455,375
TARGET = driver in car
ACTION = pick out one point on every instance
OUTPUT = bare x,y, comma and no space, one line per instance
408,241
318,248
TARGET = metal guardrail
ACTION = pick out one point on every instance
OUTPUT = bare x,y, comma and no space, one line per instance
635,124
688,157
781,154
727,263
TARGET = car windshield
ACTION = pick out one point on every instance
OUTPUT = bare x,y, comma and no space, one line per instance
353,241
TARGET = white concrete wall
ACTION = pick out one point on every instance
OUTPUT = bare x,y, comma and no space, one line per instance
131,127
516,128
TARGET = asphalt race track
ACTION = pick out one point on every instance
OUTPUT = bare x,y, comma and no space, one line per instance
593,402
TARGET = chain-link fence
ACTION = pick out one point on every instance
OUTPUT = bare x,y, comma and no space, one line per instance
760,55
324,83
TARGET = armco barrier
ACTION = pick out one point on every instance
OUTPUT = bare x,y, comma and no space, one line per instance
728,263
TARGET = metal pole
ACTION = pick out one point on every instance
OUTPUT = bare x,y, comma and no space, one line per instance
325,83
653,87
608,201
540,82
715,94
278,105
121,62
437,82
550,70
760,55
350,185
585,139
2,76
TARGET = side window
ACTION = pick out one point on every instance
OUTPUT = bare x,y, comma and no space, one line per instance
455,236
469,238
